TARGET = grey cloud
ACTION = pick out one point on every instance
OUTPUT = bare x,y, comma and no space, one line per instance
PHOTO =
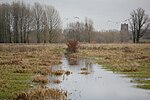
99,10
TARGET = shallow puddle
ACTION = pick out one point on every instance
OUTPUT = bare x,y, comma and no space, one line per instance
99,84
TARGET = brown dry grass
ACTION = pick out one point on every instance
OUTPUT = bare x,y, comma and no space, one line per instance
131,59
42,93
119,56
84,68
19,62
68,72
85,72
57,81
43,70
40,79
58,72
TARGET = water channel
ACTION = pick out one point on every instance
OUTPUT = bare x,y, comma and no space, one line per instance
99,84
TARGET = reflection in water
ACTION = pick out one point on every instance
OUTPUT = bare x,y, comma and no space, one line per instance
72,60
98,85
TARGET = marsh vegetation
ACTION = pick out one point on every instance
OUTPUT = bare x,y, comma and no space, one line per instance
130,59
23,67
27,70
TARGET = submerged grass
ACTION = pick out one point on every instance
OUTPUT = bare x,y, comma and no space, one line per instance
85,68
58,72
85,72
130,59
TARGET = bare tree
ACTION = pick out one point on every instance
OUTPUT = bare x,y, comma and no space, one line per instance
75,31
53,22
80,31
38,14
15,17
139,24
89,28
21,23
28,24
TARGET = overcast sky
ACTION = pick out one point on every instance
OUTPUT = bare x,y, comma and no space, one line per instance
106,14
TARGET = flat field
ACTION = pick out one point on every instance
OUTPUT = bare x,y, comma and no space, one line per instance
20,64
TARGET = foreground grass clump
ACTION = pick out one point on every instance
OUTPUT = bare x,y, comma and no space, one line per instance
43,70
40,79
42,93
85,68
56,81
84,72
130,59
58,72
68,72
18,63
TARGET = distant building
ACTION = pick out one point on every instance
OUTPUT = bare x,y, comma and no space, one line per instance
124,33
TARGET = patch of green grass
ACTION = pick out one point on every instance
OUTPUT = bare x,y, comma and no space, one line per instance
14,83
147,87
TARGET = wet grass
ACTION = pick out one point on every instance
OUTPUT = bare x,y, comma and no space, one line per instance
58,72
40,79
19,65
84,72
43,70
84,68
41,93
56,81
68,72
130,59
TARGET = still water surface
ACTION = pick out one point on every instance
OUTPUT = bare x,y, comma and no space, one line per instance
100,84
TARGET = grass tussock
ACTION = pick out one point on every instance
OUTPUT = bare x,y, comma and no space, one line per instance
57,81
58,72
40,79
42,93
43,70
73,59
85,72
21,70
85,68
68,72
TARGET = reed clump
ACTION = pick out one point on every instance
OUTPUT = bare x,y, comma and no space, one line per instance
42,93
58,72
85,72
85,68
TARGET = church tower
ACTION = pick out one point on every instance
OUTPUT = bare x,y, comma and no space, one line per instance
124,33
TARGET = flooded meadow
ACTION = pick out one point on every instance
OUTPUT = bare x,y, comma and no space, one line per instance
89,81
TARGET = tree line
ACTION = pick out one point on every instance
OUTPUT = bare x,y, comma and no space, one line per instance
24,23
19,20
80,31
85,32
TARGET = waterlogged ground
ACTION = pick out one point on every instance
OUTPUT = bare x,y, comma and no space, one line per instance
96,84
23,66
130,59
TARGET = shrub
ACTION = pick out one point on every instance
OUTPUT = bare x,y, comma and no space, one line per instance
72,46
